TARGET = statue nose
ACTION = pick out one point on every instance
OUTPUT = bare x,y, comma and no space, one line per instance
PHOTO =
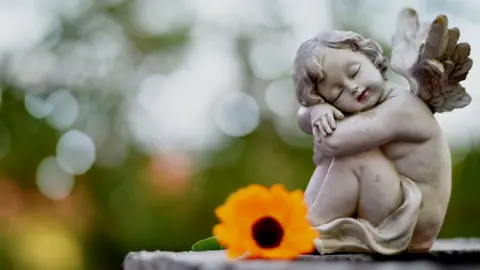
353,87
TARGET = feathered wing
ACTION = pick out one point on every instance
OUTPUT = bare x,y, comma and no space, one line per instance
429,56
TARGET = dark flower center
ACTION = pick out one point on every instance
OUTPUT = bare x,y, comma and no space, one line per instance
267,232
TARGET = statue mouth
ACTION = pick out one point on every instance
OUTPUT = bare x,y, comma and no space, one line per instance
363,96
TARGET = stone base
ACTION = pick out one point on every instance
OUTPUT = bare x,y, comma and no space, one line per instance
445,254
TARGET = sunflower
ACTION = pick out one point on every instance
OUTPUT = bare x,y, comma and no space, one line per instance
264,223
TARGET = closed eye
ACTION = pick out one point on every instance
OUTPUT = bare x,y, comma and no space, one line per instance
339,95
356,69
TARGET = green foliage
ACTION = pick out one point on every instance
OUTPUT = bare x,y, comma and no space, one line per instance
209,243
19,131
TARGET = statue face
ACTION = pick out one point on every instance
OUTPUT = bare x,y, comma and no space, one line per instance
352,82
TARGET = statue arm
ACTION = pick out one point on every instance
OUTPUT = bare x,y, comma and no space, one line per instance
356,134
304,120
379,126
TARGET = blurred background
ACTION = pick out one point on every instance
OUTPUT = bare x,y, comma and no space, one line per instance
124,124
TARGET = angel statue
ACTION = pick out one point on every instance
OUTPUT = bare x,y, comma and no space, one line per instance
382,181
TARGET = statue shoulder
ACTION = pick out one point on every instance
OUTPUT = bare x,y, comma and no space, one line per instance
407,101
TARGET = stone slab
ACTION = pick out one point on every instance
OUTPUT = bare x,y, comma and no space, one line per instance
445,254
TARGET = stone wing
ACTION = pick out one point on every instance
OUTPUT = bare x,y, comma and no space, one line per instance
429,56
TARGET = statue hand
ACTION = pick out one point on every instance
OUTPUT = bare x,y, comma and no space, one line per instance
323,120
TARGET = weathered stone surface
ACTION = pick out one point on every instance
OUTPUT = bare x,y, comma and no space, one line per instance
446,254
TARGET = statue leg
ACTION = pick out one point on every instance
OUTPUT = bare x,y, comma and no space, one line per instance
381,192
366,184
316,181
337,192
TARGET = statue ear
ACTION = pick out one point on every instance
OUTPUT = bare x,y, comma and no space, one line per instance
307,93
315,95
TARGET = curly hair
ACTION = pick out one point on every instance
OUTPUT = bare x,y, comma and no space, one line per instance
307,71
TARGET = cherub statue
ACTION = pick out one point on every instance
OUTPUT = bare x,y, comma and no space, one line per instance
383,170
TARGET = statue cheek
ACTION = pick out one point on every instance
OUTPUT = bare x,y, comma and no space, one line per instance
373,77
375,83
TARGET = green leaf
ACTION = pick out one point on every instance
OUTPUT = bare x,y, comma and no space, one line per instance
209,243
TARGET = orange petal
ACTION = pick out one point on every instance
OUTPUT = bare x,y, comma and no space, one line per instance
222,213
221,233
284,253
278,189
234,253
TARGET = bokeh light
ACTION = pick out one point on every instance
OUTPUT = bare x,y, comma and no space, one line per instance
37,106
280,98
64,109
39,242
237,114
52,181
75,152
